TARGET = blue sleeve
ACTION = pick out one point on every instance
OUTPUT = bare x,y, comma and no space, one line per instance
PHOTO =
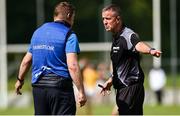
30,49
72,45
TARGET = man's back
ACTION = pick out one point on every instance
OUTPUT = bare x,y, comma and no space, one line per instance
55,65
48,49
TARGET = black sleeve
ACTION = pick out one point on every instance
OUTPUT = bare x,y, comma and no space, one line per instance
134,39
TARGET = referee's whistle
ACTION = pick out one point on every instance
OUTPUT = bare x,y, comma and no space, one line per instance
99,85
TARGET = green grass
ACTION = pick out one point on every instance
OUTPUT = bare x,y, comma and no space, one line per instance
148,110
162,110
100,110
17,111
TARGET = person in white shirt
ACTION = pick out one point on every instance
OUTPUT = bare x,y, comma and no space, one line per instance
157,81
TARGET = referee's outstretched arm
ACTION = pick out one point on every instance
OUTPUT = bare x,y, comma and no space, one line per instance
144,48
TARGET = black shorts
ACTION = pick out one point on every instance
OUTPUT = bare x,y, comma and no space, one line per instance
54,95
53,101
130,100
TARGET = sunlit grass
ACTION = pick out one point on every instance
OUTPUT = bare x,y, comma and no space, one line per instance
99,110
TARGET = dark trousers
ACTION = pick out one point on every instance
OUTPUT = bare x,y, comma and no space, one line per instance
130,100
159,96
53,101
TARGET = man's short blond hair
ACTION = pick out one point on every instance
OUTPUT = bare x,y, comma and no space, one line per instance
64,10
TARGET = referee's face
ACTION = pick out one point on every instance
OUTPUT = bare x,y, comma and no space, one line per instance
111,21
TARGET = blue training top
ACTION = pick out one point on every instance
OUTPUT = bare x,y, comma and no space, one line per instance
49,47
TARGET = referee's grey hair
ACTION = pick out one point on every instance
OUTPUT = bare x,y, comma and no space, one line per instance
114,8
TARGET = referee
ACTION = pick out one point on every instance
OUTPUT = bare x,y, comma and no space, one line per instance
53,54
127,77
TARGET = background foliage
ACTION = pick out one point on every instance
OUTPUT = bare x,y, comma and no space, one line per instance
137,14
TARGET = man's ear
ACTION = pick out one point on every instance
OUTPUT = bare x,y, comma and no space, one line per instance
118,18
69,15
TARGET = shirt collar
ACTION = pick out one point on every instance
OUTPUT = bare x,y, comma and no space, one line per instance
116,35
63,22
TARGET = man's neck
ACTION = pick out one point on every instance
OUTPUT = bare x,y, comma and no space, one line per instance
119,29
64,22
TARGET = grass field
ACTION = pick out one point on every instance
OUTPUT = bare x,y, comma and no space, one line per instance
100,110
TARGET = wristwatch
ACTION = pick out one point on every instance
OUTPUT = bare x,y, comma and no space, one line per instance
151,49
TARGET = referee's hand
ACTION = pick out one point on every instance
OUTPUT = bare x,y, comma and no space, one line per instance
106,88
156,53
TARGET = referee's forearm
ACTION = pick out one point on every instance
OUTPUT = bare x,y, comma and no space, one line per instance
143,47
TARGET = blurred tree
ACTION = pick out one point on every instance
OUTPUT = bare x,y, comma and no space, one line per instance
87,19
137,14
165,28
21,20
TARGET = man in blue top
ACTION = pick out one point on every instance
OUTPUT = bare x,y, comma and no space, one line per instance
53,55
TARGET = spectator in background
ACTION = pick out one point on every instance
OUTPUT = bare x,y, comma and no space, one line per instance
157,81
83,62
103,72
90,78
